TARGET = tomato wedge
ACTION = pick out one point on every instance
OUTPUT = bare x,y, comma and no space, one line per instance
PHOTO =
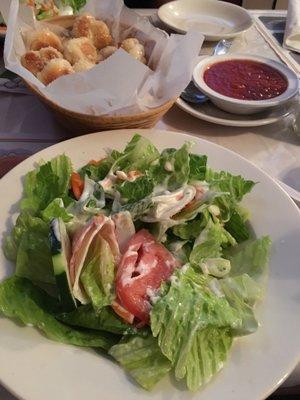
143,267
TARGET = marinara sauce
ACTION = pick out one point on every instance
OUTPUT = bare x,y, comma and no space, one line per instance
245,79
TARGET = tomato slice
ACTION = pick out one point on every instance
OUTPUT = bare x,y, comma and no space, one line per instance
143,267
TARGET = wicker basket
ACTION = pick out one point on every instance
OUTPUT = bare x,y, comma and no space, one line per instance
79,123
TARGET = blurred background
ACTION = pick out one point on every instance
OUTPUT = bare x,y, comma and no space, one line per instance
250,4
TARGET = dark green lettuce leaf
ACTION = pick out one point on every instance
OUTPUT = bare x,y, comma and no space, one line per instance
97,172
197,167
237,227
104,320
172,169
137,190
20,299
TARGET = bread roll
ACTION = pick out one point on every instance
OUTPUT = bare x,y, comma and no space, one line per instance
86,25
80,49
44,38
32,61
106,52
54,69
134,48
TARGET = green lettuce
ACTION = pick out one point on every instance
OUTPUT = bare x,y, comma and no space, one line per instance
98,273
190,230
250,257
137,190
142,358
237,228
28,246
56,209
178,174
97,172
197,167
105,320
193,326
20,299
138,155
210,243
234,186
46,183
138,208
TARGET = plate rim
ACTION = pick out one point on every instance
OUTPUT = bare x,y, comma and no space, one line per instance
208,37
20,171
183,105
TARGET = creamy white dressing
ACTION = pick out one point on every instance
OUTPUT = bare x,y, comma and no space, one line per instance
144,268
153,295
167,205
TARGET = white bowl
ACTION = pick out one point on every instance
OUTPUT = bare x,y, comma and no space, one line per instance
238,106
214,19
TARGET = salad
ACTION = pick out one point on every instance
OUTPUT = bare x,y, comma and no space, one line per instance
147,255
51,8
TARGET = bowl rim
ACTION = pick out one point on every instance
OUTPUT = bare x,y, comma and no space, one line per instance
220,4
290,75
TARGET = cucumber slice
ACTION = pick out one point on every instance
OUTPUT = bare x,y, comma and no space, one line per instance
61,252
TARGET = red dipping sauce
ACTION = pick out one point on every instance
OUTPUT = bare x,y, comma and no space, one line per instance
245,79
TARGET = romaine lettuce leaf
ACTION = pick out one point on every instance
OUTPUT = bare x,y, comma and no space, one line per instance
97,172
105,320
210,242
172,169
20,299
142,358
192,325
251,258
46,183
190,230
138,155
207,356
28,246
241,293
137,190
197,167
98,273
237,228
138,208
235,187
56,209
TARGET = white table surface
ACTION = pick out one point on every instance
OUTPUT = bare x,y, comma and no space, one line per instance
275,148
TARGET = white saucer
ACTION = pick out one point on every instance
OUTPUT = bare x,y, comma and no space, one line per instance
209,112
214,19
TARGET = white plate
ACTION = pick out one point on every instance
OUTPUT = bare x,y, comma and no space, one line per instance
214,19
211,113
35,368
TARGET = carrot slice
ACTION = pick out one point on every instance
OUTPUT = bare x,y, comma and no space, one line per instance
96,162
77,184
